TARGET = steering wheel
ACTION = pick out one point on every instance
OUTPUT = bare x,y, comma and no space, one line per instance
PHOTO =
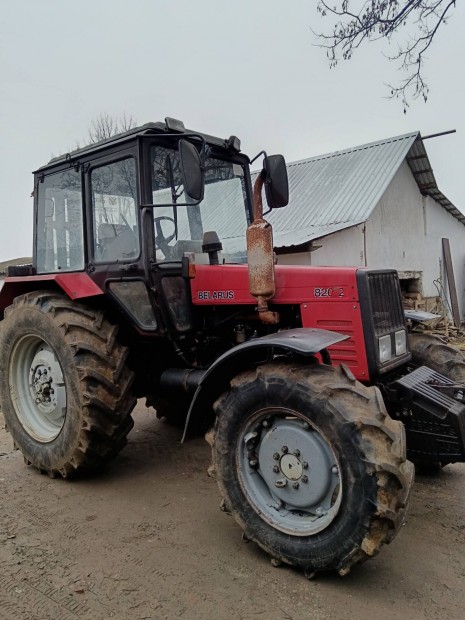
160,239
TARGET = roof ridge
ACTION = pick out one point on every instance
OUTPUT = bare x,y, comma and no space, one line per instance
360,147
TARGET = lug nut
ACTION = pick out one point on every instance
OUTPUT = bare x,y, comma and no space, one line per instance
334,470
276,469
296,452
305,465
285,449
280,483
253,462
265,423
304,478
296,485
276,456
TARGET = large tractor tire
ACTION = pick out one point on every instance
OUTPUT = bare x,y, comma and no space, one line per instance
427,350
65,388
310,465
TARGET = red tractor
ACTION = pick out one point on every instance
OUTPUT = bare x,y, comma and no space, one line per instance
142,285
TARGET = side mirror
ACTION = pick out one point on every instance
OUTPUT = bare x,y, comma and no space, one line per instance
276,181
191,168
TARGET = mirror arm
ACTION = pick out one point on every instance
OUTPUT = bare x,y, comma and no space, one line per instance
257,198
257,156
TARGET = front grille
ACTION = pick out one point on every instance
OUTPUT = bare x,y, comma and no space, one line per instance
386,304
382,315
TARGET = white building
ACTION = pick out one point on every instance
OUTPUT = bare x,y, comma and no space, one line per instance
375,205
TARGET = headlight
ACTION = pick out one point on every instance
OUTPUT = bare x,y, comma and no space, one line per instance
401,342
385,351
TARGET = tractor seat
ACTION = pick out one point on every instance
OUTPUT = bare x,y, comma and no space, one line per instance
116,242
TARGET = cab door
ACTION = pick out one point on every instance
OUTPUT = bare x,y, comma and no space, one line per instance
114,233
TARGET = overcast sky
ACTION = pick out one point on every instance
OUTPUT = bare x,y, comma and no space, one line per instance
248,68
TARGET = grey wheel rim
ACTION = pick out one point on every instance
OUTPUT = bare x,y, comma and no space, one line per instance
289,472
37,388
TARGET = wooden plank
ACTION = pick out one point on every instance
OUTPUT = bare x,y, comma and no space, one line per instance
451,281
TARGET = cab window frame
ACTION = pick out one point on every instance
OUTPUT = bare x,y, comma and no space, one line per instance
41,212
92,165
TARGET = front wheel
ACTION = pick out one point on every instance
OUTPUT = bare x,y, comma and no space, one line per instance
310,465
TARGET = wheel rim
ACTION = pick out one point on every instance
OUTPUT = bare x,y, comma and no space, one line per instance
38,388
289,472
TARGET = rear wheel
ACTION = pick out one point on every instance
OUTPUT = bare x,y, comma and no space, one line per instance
65,389
310,465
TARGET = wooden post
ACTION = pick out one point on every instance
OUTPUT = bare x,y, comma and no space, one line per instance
451,282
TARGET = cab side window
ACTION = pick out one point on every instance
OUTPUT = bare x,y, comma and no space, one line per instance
60,239
114,211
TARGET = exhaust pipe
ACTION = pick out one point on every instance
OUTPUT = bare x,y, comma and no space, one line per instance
260,257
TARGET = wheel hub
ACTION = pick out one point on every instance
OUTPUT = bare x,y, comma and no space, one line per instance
43,384
300,449
291,466
291,473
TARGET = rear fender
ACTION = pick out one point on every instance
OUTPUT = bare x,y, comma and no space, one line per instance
304,342
74,285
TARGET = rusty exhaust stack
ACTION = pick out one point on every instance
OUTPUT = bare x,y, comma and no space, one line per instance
260,257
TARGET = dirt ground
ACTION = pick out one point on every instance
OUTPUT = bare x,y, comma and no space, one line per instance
145,539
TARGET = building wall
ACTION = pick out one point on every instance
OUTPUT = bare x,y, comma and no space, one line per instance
395,229
298,258
439,223
344,248
404,232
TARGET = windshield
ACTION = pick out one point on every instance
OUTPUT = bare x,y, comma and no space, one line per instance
180,229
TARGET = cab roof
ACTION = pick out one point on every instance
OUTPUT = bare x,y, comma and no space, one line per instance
126,136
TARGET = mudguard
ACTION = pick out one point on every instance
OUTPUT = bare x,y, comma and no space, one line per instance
76,285
301,341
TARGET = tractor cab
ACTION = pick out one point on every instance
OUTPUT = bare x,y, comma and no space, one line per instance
88,203
132,211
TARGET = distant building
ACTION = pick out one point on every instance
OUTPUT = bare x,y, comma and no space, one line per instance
8,263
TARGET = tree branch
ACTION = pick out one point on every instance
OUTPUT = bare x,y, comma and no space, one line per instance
387,19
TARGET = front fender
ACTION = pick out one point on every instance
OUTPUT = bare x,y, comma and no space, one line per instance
301,341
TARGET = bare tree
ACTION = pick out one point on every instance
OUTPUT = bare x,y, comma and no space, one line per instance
106,126
414,22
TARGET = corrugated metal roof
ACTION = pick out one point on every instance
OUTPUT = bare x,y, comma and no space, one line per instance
421,169
339,190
